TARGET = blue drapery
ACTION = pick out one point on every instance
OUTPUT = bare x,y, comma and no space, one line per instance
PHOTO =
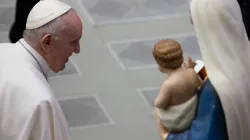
209,123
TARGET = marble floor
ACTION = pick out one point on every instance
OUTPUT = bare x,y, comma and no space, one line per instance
107,90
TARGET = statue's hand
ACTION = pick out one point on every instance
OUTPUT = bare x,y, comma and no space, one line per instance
189,63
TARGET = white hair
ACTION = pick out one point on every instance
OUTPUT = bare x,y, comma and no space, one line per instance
54,28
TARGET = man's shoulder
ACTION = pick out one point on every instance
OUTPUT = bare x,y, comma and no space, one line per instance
24,81
32,89
19,93
4,47
10,53
6,44
19,71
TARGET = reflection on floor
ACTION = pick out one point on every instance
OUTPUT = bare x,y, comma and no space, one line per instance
137,54
100,11
85,111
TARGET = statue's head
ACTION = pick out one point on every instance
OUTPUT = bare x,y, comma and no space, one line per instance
168,55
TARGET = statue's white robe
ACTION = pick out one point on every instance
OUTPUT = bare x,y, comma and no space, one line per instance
28,108
225,49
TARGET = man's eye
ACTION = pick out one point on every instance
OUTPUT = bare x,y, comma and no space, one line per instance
74,42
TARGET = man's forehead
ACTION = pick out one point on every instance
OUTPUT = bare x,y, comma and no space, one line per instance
71,33
72,24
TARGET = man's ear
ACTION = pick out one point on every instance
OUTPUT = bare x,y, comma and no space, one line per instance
46,42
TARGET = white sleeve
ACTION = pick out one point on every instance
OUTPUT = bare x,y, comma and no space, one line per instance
32,122
46,126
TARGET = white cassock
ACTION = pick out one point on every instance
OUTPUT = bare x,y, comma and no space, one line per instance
28,108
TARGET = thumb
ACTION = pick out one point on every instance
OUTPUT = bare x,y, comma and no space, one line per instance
189,59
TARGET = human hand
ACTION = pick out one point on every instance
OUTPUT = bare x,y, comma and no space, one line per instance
189,63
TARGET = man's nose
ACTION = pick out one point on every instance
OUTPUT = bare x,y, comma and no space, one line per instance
77,49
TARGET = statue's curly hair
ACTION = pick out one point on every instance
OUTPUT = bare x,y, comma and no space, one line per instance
168,54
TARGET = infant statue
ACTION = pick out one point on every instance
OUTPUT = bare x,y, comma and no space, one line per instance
176,102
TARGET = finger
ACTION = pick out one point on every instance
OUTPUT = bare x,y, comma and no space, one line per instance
189,59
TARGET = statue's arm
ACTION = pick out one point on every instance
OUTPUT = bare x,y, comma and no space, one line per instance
164,96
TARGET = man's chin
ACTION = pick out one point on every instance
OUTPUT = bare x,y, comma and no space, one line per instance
58,69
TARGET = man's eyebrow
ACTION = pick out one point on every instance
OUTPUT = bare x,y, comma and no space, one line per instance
77,38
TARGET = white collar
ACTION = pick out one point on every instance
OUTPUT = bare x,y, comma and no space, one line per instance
40,60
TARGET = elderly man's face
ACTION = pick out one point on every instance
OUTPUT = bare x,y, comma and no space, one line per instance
62,48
